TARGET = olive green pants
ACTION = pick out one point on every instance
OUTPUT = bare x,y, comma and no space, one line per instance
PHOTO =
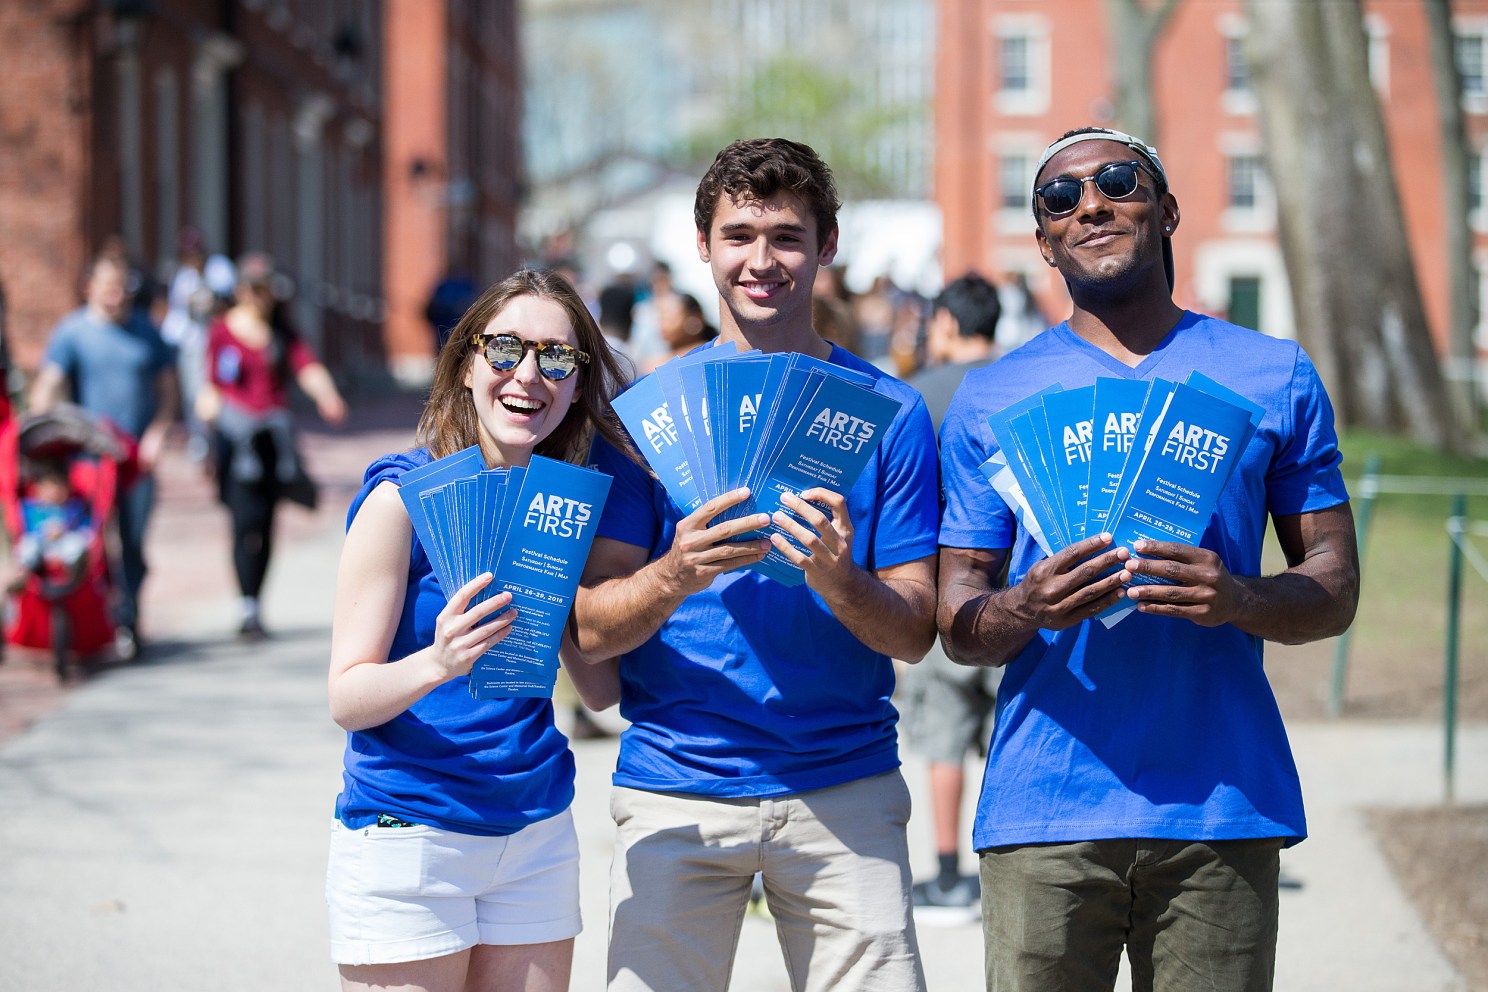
1192,916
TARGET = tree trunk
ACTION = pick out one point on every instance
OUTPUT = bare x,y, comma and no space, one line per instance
1462,278
1135,28
1357,304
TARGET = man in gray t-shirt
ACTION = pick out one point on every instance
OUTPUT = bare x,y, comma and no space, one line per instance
948,707
115,364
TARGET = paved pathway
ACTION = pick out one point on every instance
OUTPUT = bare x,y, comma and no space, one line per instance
164,824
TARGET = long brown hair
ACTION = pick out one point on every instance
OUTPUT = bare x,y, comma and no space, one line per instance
449,423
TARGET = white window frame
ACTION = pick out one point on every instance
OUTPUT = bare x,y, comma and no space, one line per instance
1015,219
1034,99
1259,217
1474,101
1236,101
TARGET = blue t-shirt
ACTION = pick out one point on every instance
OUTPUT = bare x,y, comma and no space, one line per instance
487,767
112,367
1156,727
753,688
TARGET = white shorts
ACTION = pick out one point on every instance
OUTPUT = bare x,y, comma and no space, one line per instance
412,893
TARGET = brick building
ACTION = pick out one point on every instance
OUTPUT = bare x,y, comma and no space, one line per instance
1015,74
452,158
266,125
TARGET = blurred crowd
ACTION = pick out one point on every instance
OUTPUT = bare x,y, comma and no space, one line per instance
210,348
648,319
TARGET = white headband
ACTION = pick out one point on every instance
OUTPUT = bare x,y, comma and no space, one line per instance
1103,134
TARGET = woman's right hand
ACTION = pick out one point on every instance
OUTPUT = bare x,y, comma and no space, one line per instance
461,633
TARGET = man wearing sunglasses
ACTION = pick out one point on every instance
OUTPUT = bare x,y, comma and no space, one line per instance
1139,785
762,735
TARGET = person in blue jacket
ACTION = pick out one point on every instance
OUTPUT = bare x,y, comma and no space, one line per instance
761,734
1139,786
454,862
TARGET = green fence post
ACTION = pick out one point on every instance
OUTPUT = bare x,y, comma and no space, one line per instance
1456,529
1368,493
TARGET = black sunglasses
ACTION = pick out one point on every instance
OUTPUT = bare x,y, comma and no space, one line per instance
1116,181
504,352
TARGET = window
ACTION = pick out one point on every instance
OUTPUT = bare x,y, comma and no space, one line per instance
1237,71
1472,64
1245,176
1021,48
1014,180
1015,73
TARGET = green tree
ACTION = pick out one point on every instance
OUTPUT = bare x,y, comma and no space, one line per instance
791,97
1135,27
1354,291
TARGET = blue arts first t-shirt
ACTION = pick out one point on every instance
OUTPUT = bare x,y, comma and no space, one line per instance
473,766
1156,727
753,688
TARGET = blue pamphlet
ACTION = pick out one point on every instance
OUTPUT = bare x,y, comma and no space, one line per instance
1118,408
531,528
997,472
552,527
1070,416
717,419
414,483
656,429
1019,463
1133,458
1196,441
828,447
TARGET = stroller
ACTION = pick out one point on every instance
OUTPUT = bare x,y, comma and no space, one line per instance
57,605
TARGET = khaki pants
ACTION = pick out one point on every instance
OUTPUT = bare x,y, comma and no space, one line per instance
836,873
1192,915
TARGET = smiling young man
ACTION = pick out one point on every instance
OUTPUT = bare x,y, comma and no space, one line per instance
762,737
1139,783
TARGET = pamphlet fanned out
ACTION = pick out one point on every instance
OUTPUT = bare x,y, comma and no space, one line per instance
1136,459
1118,407
460,465
1019,463
531,528
657,422
550,531
997,472
1195,443
1070,416
777,423
826,448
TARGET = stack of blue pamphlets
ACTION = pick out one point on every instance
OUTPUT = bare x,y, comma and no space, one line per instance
1136,459
531,528
718,419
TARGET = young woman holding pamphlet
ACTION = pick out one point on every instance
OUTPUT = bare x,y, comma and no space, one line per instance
454,863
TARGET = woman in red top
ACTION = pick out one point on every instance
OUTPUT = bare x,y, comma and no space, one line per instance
252,358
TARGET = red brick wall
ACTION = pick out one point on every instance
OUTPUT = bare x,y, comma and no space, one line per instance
44,128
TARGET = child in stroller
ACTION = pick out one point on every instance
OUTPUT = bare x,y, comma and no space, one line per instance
59,473
56,529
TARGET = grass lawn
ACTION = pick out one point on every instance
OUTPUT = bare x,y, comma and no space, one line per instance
1396,654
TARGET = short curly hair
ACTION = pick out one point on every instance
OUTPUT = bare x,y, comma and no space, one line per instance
759,168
